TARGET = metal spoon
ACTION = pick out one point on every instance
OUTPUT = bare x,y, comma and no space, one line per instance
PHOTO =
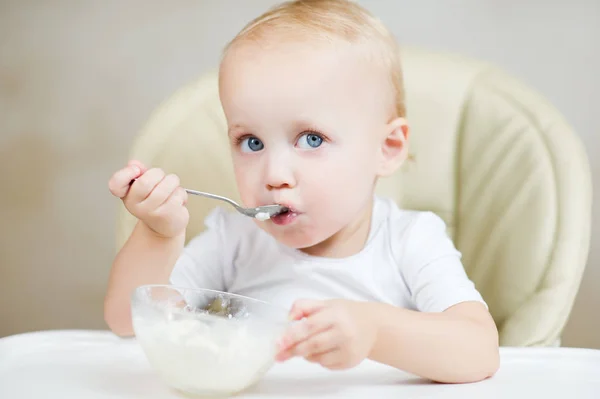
261,213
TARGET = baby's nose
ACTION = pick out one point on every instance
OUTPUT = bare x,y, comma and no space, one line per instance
279,179
279,174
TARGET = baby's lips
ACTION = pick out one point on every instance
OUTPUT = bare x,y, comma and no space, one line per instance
289,207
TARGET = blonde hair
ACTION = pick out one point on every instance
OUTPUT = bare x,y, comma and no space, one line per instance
331,20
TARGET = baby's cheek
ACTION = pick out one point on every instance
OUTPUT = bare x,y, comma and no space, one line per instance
247,186
245,196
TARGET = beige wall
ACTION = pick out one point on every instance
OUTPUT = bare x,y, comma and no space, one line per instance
77,80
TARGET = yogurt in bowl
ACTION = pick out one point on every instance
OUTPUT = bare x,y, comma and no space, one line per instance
204,342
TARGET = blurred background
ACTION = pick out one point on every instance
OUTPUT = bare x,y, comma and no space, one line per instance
78,79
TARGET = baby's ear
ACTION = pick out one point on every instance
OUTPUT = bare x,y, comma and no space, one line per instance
394,147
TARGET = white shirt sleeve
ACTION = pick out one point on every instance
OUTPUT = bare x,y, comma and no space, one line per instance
432,267
202,262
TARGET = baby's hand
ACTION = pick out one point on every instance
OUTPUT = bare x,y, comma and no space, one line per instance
155,199
337,334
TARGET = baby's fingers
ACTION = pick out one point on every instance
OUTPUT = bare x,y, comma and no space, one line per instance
306,307
144,185
140,165
179,197
324,342
305,329
333,359
161,193
119,183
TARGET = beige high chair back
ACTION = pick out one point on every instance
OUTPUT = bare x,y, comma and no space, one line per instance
490,156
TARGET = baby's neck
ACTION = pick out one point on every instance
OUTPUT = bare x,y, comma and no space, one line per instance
348,241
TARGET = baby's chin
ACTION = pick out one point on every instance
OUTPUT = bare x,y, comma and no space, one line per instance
296,239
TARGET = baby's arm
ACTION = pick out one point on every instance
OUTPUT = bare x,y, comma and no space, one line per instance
452,337
146,258
155,244
455,346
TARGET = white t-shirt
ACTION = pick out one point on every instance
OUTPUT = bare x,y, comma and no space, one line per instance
408,261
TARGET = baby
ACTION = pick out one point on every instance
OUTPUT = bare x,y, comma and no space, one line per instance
313,96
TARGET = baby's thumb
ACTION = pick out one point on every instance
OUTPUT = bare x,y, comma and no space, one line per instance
135,162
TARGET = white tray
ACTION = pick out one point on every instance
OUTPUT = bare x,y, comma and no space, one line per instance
90,365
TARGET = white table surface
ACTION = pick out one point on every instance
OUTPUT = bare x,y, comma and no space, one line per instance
96,364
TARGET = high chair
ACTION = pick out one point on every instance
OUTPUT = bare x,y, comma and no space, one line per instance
488,154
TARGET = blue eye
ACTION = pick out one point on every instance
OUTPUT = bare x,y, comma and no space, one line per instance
251,144
310,140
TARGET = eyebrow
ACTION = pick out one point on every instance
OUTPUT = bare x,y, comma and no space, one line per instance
299,125
304,124
233,127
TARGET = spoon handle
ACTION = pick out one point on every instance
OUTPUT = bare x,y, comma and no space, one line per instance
213,196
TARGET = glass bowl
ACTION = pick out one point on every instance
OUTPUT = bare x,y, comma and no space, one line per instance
204,342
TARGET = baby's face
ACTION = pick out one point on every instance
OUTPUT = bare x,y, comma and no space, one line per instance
306,125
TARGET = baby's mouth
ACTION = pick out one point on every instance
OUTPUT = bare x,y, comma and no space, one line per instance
287,216
286,209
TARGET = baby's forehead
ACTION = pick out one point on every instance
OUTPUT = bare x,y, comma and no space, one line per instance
299,82
301,71
307,58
